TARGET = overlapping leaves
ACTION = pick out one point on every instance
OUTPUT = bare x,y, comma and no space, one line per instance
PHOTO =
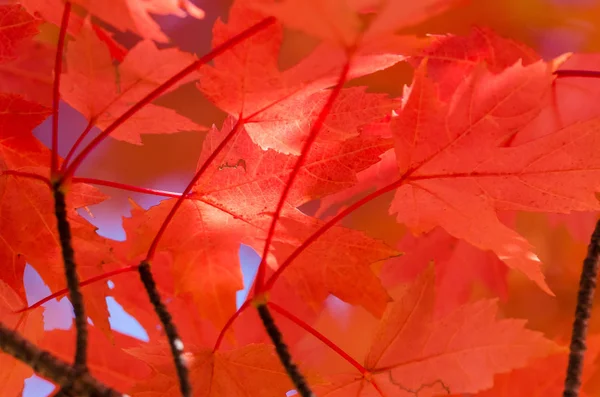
476,137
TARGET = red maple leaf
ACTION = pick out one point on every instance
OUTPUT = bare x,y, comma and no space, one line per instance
125,15
445,181
450,58
103,91
461,196
459,267
544,376
253,367
220,218
279,107
17,26
24,62
486,133
413,350
339,22
245,170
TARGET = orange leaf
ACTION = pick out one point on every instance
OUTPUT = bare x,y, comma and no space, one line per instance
251,369
204,243
29,325
246,81
17,25
103,91
245,170
457,172
458,265
109,361
339,22
413,349
450,58
544,377
135,15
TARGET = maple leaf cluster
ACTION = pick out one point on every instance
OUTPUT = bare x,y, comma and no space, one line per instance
427,244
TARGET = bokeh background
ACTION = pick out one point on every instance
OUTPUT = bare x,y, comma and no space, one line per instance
167,162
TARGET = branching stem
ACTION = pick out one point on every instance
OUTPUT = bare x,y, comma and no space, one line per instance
48,366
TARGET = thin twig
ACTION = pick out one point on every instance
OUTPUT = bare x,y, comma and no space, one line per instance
64,232
577,73
51,367
585,298
167,321
282,351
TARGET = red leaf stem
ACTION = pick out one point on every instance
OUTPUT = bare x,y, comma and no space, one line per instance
56,86
188,189
260,275
83,283
124,186
82,136
318,335
269,284
30,175
229,322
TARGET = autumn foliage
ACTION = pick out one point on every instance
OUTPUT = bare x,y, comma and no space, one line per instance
421,243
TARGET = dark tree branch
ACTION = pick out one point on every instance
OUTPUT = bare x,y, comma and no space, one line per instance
64,232
172,335
577,73
585,298
282,351
51,367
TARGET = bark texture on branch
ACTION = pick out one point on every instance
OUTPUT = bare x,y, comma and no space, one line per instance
51,367
170,329
585,298
281,348
75,295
